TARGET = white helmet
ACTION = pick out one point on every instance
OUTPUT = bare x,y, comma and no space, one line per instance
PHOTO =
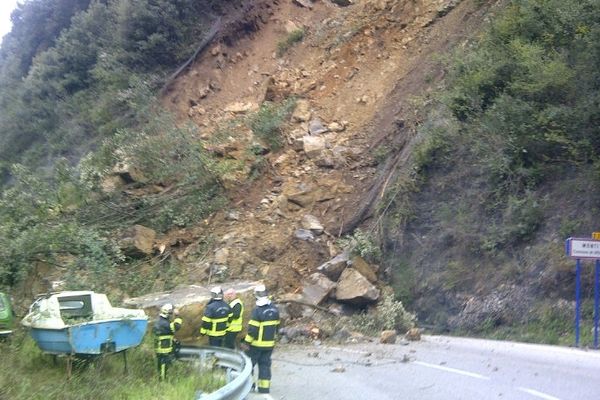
260,291
166,309
216,293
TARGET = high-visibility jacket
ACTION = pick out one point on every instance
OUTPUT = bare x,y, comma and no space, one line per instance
263,326
237,311
164,332
216,318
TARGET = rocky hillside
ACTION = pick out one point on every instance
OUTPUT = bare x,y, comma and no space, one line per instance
354,76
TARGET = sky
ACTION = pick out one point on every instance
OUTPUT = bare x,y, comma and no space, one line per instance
6,7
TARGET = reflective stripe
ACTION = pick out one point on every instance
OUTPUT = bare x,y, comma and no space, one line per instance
236,324
218,326
163,344
260,341
176,324
264,383
270,323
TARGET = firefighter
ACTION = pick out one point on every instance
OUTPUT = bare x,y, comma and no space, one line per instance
260,339
215,320
165,343
235,325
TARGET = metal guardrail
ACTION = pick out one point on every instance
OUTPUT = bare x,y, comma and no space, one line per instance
236,363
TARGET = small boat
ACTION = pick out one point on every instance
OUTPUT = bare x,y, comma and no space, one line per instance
83,323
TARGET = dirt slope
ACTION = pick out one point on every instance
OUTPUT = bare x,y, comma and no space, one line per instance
365,70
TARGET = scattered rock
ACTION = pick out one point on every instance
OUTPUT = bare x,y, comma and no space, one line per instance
336,127
413,334
388,337
303,3
316,127
343,3
232,216
302,111
304,234
138,241
216,50
240,108
326,161
312,223
334,267
313,145
339,368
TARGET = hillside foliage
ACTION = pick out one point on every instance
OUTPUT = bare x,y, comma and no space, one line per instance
72,72
77,87
510,147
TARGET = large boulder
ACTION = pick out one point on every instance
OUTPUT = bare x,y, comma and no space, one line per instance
191,300
316,288
365,269
138,241
353,287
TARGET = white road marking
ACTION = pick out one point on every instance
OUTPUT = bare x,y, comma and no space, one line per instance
453,370
538,394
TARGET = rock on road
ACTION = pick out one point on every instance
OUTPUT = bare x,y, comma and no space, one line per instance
436,368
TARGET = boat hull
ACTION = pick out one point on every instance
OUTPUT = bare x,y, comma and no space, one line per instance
97,337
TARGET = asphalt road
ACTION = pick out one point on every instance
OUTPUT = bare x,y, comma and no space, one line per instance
436,368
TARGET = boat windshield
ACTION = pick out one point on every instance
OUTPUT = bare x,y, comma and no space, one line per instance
75,306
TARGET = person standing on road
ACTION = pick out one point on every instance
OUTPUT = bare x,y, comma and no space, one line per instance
260,340
235,325
164,337
215,320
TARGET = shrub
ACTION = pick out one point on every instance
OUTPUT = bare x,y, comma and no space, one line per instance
388,315
362,244
291,39
267,122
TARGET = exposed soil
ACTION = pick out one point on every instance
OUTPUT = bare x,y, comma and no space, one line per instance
369,67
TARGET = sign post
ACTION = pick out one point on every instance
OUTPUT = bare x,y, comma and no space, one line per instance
582,249
596,236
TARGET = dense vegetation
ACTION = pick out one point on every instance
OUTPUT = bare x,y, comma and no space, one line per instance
71,72
506,170
77,88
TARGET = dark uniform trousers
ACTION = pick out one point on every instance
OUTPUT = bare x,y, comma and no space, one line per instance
262,357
